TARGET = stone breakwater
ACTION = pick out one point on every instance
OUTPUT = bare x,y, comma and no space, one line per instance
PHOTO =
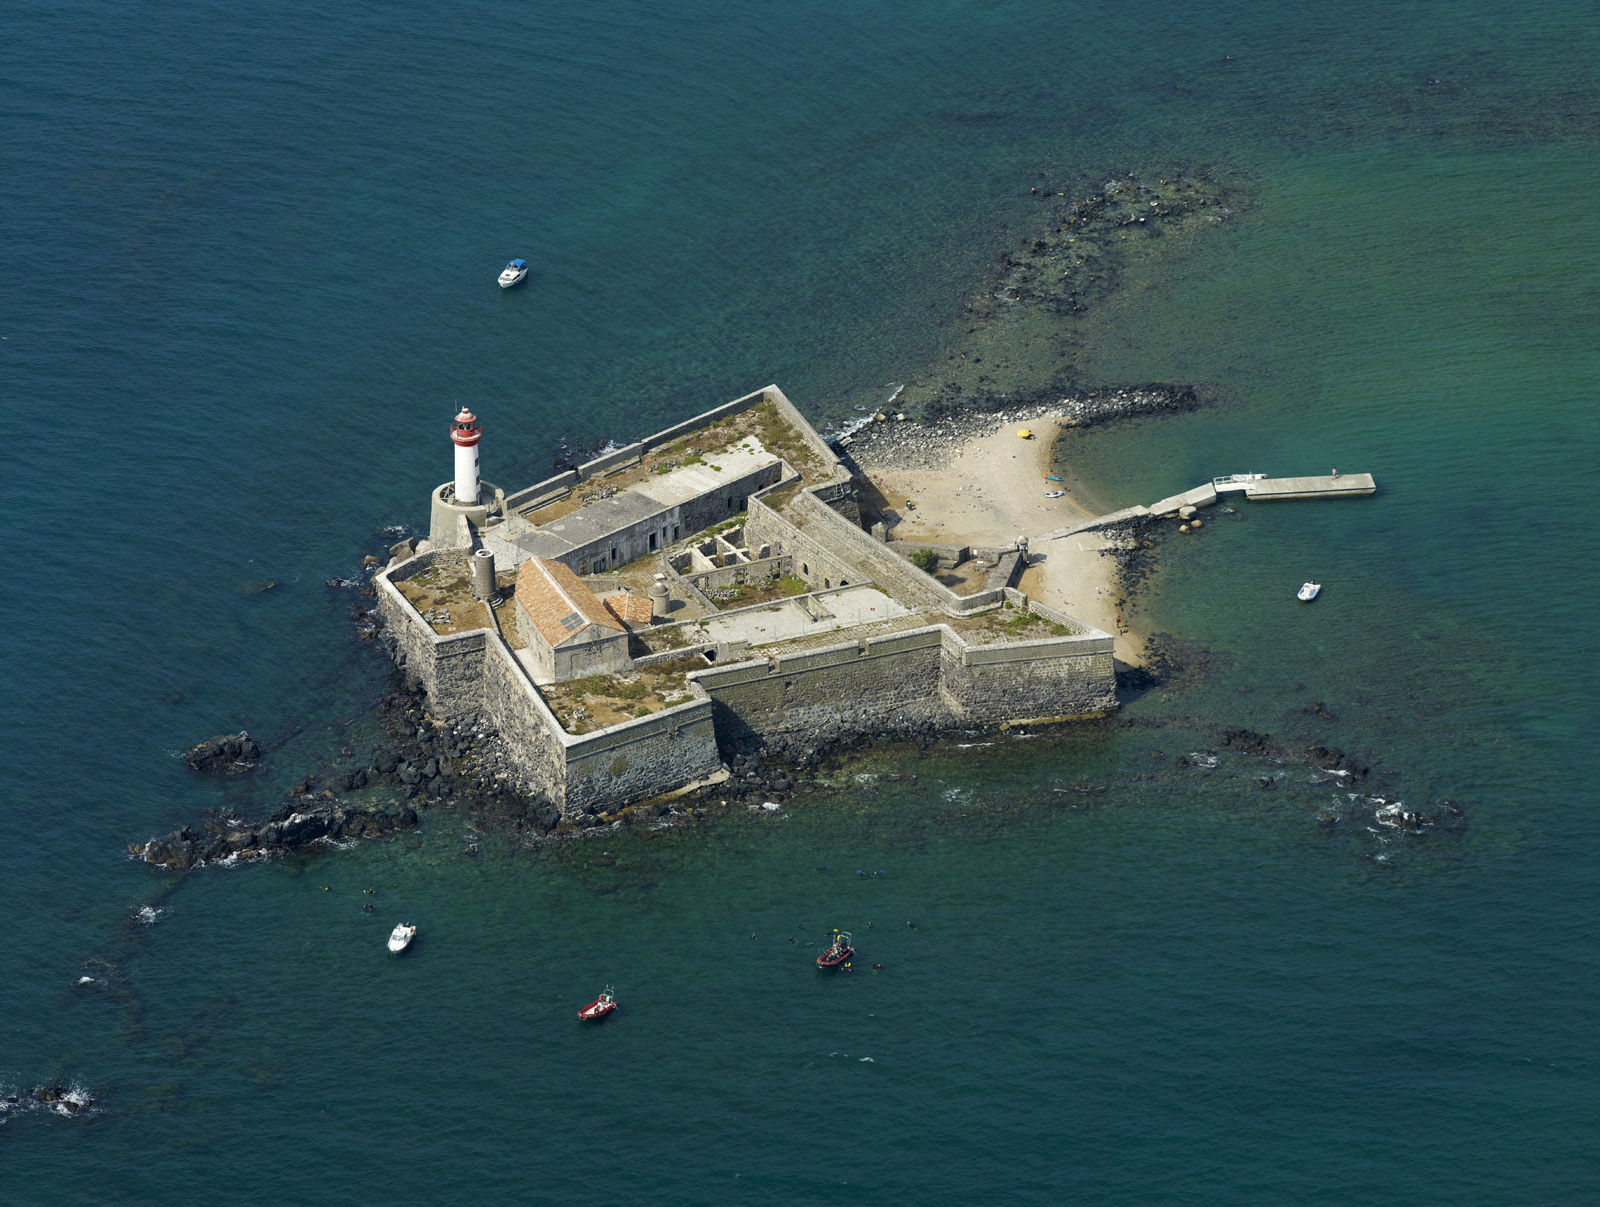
897,441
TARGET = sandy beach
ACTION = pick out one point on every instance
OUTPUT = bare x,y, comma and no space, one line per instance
992,490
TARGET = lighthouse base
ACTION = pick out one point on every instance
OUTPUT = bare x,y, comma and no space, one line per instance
452,521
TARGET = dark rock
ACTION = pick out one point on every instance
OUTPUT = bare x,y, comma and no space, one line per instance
1266,782
296,824
430,769
227,754
1245,741
387,761
409,775
173,851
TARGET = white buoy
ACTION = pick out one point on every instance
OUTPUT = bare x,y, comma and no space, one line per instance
466,431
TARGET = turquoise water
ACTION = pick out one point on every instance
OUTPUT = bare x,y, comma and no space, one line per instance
247,275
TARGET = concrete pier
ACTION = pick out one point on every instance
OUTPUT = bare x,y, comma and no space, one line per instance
1256,487
1328,487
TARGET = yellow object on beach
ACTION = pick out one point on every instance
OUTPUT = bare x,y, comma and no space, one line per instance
1025,433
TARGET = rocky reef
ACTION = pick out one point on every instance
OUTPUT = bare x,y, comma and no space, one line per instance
1015,340
297,824
227,754
62,1099
895,440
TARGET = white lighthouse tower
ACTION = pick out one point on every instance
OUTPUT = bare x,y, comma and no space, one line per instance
468,504
465,432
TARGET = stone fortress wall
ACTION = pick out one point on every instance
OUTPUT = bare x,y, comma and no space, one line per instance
901,682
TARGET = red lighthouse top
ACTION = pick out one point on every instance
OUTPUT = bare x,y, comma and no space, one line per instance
466,429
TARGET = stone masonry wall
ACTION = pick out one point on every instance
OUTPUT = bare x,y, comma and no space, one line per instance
532,735
904,681
1029,680
882,685
639,759
450,667
812,562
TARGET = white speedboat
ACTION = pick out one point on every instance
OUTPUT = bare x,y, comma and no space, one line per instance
512,273
1309,591
400,937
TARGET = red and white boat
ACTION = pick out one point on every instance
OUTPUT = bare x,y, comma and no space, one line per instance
841,953
601,1006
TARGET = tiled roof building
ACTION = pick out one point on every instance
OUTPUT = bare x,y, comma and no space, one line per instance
570,632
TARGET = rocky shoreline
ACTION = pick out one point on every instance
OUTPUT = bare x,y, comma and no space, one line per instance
895,440
463,767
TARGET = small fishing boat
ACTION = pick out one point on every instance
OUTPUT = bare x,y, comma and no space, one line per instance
601,1006
1054,494
512,273
1309,592
840,953
1053,478
400,937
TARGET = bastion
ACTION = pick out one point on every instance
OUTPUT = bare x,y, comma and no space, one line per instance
627,625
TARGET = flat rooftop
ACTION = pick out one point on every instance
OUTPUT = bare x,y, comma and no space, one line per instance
790,619
655,494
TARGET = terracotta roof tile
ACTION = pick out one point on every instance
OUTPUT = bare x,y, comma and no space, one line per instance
632,610
559,605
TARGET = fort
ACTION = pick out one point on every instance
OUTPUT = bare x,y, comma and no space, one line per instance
728,583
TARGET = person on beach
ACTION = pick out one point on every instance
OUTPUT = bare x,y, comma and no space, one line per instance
1335,473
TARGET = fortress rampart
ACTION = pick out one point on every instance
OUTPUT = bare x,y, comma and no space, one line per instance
792,700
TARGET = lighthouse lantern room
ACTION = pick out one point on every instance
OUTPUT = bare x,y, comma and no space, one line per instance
465,433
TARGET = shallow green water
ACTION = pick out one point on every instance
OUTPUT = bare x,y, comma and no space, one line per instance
248,274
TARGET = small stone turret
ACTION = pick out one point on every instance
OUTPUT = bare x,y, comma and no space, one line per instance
483,576
660,604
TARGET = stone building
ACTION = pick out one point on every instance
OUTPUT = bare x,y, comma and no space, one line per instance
568,632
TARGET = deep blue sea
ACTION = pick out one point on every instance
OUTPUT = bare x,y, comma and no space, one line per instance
247,262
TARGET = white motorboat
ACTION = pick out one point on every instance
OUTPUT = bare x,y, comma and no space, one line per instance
512,273
1309,592
400,937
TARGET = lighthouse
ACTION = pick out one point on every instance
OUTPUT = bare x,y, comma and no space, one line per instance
465,433
463,507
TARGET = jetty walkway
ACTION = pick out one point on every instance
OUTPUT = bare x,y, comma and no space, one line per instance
1256,487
